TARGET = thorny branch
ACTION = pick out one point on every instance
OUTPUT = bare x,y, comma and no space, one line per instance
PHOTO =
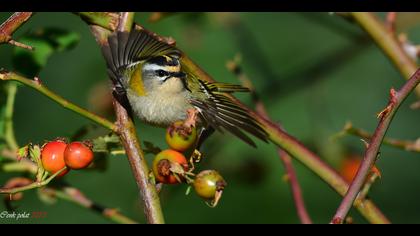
386,116
407,145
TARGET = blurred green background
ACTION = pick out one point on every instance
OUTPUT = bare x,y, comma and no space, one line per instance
314,72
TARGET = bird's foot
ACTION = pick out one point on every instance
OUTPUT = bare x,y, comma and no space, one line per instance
188,124
192,116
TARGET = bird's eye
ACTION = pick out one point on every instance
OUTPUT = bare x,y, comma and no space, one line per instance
162,73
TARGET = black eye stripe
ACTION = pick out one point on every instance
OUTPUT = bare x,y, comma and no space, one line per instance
162,73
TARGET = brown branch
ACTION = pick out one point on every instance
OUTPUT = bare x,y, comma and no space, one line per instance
303,215
396,99
129,139
11,25
290,144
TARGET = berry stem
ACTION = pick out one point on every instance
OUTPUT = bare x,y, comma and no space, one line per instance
31,186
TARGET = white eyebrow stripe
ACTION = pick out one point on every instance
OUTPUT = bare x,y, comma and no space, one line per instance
153,67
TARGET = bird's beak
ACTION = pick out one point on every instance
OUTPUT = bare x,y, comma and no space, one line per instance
180,75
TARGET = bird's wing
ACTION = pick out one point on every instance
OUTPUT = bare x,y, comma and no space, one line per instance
220,112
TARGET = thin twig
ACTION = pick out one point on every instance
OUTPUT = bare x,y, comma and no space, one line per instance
31,186
295,187
288,143
407,145
10,76
303,215
21,45
388,42
396,99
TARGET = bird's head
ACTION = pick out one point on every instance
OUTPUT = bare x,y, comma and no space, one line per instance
161,73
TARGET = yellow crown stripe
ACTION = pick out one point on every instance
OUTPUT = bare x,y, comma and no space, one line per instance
173,68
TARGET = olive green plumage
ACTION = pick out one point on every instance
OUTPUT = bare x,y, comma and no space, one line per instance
148,75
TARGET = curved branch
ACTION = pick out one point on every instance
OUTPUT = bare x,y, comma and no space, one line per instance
387,42
396,99
35,84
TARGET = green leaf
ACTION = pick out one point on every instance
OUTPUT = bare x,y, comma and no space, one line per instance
45,41
106,143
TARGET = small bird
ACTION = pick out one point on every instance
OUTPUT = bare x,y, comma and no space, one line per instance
148,75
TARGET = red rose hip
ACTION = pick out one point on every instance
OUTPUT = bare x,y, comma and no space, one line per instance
52,157
163,163
78,155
